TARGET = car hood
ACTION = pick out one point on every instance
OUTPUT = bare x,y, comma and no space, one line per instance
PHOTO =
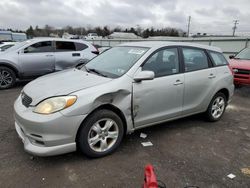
240,64
61,83
3,54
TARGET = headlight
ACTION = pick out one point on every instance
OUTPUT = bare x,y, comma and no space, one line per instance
55,104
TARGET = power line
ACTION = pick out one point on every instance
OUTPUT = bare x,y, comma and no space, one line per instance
189,20
235,27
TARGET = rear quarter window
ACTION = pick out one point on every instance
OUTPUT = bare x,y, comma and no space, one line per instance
80,46
218,58
62,46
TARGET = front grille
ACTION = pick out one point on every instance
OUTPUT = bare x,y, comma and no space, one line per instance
242,71
26,100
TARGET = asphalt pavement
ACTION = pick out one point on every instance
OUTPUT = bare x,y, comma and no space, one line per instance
185,152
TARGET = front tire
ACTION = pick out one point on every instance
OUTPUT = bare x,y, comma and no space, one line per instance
101,134
7,77
216,107
237,86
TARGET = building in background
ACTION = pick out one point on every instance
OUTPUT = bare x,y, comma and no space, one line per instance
123,35
10,36
5,36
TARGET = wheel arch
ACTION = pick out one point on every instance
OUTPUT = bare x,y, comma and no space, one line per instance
10,67
110,107
224,91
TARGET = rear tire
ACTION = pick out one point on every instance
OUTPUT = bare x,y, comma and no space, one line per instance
216,107
7,77
101,134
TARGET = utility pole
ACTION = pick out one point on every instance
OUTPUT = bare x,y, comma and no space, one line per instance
235,27
189,20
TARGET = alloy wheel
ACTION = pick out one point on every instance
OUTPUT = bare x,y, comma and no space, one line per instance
218,107
5,78
103,135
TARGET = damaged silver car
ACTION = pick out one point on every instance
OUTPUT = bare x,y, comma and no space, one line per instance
128,87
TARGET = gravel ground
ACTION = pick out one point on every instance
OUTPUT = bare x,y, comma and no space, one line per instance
185,152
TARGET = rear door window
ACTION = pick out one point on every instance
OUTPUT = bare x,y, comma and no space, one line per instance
218,58
194,59
62,46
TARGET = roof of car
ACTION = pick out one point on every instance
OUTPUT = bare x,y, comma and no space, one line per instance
58,39
159,44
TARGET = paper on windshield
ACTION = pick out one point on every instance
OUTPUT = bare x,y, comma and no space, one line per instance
136,51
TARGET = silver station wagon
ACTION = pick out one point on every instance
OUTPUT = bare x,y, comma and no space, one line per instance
127,87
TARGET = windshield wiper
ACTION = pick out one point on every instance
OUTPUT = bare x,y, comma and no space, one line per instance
241,58
86,69
96,71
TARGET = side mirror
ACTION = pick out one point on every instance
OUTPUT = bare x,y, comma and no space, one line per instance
144,75
231,56
80,65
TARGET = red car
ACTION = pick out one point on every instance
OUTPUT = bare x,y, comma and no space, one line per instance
240,65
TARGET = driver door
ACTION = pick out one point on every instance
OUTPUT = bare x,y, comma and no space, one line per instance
159,99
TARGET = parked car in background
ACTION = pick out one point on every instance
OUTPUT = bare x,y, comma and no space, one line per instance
92,36
41,56
127,87
240,65
5,45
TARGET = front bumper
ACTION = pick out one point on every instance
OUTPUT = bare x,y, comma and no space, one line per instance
46,135
242,79
43,151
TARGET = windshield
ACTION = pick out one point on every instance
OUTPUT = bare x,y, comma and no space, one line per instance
244,54
17,45
117,61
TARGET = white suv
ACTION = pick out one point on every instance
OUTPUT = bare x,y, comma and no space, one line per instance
41,56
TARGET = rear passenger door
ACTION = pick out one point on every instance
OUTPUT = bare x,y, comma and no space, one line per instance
200,80
68,54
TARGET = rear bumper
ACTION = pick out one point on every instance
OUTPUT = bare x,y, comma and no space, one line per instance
231,93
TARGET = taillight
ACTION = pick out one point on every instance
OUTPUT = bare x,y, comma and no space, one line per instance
96,51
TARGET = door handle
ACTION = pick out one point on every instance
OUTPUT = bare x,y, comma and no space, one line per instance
76,54
178,82
49,55
211,76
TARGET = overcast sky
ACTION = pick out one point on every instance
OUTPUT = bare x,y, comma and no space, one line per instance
210,16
